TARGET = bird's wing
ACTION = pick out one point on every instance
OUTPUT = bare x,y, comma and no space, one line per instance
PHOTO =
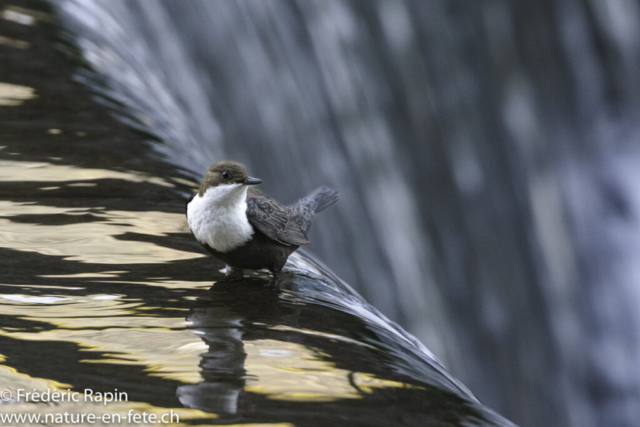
274,220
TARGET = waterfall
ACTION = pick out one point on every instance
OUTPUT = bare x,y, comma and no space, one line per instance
486,153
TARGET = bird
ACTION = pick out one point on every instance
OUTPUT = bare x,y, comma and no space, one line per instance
244,227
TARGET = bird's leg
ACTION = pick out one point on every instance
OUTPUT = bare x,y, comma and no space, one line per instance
233,273
278,278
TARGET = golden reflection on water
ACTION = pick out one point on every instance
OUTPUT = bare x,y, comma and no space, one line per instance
169,284
13,380
290,371
123,331
100,274
43,287
83,184
122,334
11,170
162,345
15,43
115,330
92,242
120,330
13,95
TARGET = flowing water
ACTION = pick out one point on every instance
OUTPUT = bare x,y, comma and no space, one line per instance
103,288
486,153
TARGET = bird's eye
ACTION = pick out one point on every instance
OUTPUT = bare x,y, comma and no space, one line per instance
225,175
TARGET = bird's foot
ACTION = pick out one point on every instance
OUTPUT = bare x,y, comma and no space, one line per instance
233,273
281,280
276,280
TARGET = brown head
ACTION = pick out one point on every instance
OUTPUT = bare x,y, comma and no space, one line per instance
224,173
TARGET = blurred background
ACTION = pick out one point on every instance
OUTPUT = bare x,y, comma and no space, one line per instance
486,152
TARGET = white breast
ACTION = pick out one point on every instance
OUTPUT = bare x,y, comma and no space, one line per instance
219,218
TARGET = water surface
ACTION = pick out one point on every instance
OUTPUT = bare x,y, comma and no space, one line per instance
102,286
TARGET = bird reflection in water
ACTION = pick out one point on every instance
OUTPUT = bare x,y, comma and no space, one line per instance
284,354
234,313
221,328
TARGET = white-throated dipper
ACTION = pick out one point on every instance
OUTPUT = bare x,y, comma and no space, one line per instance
245,228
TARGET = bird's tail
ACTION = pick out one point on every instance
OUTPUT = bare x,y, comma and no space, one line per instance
319,199
316,201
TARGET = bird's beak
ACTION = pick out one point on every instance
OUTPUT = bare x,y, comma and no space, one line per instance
252,181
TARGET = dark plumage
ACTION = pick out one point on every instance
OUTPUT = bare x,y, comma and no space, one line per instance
277,230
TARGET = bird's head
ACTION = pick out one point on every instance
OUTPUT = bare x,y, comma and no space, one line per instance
225,177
